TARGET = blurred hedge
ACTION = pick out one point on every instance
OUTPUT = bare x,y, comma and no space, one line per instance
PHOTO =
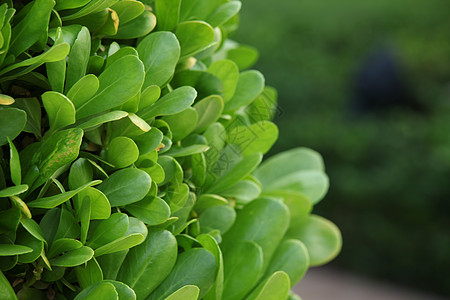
389,169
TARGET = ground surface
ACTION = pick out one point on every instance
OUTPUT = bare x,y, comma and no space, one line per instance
330,284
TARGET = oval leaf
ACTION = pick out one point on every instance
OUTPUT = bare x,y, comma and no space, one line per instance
119,82
126,186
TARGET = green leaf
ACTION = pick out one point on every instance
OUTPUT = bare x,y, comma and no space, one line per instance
110,263
167,13
299,205
183,214
177,196
209,110
193,267
55,274
219,217
120,244
239,171
68,226
292,258
297,170
60,110
89,274
9,250
126,186
205,83
243,264
150,210
122,152
194,36
182,123
22,205
206,201
96,64
58,150
30,29
187,292
73,258
146,265
186,151
56,71
63,245
152,168
55,53
103,118
171,103
138,27
119,82
258,137
105,22
9,220
24,238
33,228
149,96
135,234
53,201
49,224
93,7
159,68
106,231
69,4
225,12
83,90
80,173
133,126
264,107
104,290
321,237
84,215
287,162
14,164
249,86
124,51
9,261
128,10
149,141
6,289
12,122
276,288
210,244
32,107
244,191
244,56
312,183
78,58
199,9
100,207
263,221
124,291
198,164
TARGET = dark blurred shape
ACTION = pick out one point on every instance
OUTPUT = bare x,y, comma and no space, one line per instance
380,84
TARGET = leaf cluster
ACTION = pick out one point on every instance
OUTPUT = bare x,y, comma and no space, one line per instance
132,135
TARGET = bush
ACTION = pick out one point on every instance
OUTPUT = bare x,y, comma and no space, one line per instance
131,137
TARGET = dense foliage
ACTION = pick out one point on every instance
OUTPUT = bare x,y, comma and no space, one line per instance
131,141
388,166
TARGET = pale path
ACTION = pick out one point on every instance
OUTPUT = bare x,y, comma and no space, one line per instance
330,284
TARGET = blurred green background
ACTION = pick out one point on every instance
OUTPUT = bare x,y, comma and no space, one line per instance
388,162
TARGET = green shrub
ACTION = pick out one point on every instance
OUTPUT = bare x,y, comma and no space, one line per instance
131,138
